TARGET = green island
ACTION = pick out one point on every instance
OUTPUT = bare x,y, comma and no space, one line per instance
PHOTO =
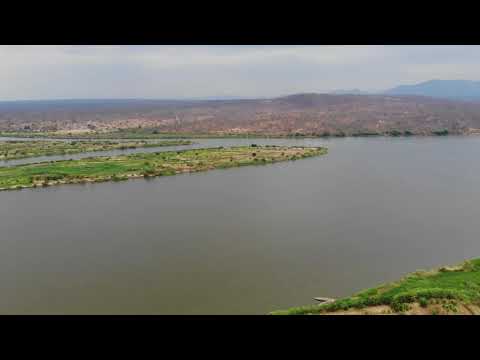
123,167
447,290
16,149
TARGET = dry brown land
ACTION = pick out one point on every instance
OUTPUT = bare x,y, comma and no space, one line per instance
302,114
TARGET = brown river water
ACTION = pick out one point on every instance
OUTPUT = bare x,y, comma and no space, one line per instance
246,240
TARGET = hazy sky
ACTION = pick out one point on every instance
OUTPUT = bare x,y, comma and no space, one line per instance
51,72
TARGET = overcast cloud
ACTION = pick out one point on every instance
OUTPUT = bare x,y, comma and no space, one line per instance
60,72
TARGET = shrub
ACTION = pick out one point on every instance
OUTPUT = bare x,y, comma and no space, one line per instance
400,307
449,307
118,178
149,171
395,133
442,132
54,177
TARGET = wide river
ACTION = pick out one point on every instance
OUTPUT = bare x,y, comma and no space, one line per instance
247,240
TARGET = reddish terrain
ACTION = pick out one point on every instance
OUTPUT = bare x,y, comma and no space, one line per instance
302,114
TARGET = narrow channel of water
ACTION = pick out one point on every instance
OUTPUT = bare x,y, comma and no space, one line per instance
197,143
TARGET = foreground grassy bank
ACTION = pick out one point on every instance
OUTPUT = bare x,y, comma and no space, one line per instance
117,168
448,290
10,150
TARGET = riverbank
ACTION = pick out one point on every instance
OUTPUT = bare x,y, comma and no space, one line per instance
132,134
17,149
124,167
447,290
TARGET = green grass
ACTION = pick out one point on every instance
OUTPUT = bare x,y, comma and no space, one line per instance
460,283
97,169
10,150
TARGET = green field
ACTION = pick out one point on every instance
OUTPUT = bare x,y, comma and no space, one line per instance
123,167
445,290
14,149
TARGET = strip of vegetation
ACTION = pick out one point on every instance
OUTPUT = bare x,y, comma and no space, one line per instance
396,133
117,168
441,132
144,133
134,134
10,150
130,134
448,286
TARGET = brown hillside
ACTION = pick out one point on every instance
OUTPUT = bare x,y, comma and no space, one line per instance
307,114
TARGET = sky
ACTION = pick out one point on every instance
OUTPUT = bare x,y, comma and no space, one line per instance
168,72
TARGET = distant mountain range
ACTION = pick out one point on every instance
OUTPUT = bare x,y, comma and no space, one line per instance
447,89
443,89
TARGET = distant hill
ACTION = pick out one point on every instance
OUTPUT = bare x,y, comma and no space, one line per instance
448,89
222,98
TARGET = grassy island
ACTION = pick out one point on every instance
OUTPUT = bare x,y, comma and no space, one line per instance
123,167
448,290
10,150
